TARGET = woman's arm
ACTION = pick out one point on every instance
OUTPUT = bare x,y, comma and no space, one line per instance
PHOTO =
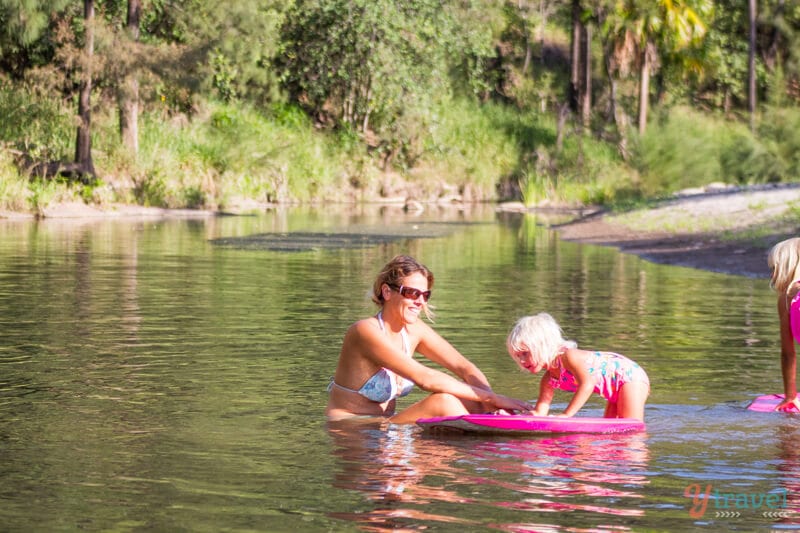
435,348
375,345
788,357
573,360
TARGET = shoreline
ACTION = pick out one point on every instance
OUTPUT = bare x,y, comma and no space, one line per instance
704,251
729,231
722,229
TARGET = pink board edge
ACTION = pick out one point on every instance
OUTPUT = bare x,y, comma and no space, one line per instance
508,424
767,403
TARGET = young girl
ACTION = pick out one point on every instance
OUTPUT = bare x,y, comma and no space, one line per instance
536,344
784,260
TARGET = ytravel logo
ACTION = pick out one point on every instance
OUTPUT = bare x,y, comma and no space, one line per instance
734,504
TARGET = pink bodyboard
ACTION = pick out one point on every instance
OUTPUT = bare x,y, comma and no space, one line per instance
527,424
768,403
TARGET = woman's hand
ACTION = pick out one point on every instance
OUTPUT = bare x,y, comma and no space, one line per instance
511,404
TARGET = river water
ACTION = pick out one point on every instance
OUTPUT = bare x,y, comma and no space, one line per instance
169,375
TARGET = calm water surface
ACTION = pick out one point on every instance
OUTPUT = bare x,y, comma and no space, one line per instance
170,376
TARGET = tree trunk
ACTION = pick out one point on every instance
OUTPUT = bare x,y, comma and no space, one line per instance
528,55
751,65
544,14
83,143
586,95
523,13
129,88
644,89
575,57
563,113
616,112
773,51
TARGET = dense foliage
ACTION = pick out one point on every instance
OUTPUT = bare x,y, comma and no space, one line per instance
201,104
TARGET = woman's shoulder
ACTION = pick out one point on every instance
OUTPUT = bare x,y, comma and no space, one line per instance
363,326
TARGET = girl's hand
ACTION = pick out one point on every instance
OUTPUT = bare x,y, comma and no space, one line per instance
787,405
563,415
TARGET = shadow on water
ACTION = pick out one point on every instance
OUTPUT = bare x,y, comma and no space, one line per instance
354,236
299,242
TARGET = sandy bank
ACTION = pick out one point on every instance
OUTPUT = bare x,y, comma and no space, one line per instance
728,230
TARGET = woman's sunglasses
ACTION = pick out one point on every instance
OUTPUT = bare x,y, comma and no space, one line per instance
410,293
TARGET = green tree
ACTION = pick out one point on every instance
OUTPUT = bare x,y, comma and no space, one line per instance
729,54
239,41
641,30
378,67
725,57
23,24
351,61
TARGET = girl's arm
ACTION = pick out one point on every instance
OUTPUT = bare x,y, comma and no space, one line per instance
545,396
573,360
788,357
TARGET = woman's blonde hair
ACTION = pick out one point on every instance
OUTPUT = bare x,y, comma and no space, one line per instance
784,260
540,335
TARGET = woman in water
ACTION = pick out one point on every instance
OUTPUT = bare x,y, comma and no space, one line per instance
376,364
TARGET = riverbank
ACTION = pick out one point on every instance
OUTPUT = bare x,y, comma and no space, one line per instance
720,229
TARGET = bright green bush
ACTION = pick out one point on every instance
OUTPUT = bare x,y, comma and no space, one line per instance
683,149
691,149
467,143
780,131
40,126
13,187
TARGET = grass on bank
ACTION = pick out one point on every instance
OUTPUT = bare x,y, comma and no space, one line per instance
227,153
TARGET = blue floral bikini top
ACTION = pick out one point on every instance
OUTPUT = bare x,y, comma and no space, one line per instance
383,385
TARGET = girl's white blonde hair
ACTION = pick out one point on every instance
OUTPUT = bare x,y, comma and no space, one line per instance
540,335
784,260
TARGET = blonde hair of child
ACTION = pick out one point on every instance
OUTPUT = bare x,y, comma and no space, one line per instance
784,260
540,335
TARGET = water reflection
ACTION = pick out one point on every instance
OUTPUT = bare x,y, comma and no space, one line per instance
788,436
389,466
568,473
400,468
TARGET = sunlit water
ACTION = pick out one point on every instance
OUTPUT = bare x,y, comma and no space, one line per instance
170,376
